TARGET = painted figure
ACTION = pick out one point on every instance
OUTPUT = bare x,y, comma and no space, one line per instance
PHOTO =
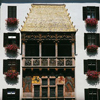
28,82
70,82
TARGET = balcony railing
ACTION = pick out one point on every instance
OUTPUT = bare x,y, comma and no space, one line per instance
48,61
30,95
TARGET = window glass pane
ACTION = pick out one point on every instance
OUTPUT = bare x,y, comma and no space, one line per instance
91,39
36,91
93,42
11,11
52,81
32,49
64,49
93,36
48,48
11,94
60,90
44,91
91,65
88,15
91,62
11,41
52,91
92,94
92,68
44,82
89,36
91,12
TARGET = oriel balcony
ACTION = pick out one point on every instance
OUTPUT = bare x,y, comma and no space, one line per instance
48,54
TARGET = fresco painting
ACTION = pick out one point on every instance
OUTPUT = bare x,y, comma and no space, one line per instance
60,80
27,84
69,86
36,80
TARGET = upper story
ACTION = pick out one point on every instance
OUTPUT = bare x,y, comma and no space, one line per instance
84,10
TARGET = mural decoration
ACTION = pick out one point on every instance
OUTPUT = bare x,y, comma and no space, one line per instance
60,80
27,84
69,86
36,80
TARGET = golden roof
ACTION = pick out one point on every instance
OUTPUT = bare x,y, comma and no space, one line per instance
48,18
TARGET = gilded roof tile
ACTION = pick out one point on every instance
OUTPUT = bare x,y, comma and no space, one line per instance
48,18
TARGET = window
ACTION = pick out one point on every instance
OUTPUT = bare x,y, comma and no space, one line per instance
52,81
52,91
90,12
11,38
12,11
60,90
11,94
91,65
36,90
92,94
44,91
11,64
91,39
46,88
44,82
64,48
48,48
32,48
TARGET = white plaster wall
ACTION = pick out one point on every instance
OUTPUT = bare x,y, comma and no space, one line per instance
75,10
76,13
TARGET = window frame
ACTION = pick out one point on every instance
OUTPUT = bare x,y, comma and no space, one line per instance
60,90
90,64
12,11
31,46
7,67
6,39
91,39
60,48
43,45
48,86
37,90
85,11
97,39
86,91
16,95
86,65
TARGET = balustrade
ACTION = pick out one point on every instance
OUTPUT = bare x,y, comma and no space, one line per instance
49,61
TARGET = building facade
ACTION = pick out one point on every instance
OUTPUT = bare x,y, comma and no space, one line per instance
46,50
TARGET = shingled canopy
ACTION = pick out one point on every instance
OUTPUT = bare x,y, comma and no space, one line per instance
48,18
